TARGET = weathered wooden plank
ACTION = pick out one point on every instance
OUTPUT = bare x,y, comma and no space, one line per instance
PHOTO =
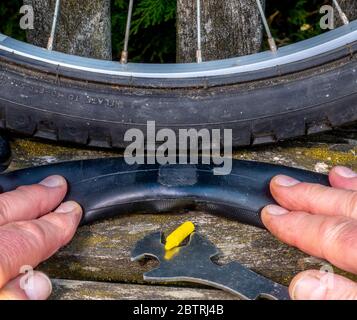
235,22
90,290
83,27
102,251
318,153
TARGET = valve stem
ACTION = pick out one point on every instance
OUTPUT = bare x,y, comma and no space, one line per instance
271,41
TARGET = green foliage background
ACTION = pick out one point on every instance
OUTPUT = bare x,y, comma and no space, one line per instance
153,36
10,18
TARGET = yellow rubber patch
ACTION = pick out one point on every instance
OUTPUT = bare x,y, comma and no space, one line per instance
169,254
181,233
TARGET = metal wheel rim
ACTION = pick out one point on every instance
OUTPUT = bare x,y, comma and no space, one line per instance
336,39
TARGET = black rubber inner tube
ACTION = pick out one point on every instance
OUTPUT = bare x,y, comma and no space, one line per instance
5,153
110,187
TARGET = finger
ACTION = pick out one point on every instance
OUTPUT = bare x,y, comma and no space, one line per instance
343,178
313,198
31,202
31,242
318,285
36,286
331,238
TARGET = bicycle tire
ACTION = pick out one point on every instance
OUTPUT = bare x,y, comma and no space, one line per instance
55,101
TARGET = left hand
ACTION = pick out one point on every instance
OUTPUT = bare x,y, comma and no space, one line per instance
321,221
33,226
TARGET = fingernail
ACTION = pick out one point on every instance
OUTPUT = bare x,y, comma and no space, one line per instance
345,172
275,210
308,288
286,181
68,207
38,287
53,182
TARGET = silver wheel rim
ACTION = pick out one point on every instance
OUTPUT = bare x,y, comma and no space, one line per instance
336,39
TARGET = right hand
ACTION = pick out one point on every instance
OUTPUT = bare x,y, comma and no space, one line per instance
321,221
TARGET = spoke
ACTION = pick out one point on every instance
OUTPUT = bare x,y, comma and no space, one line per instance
124,53
199,51
271,40
54,25
340,12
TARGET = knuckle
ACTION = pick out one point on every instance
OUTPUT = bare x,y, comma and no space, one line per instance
14,250
315,192
338,234
64,227
307,190
70,230
27,191
351,205
4,211
33,194
60,222
33,228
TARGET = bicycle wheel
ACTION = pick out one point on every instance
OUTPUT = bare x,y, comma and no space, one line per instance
303,88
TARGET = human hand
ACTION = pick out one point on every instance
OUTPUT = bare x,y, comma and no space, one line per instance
29,234
321,221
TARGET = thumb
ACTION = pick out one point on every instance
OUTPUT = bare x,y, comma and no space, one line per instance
318,285
33,286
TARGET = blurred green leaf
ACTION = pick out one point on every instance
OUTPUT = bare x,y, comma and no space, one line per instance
10,18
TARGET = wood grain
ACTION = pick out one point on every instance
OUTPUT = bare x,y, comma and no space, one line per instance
101,252
89,290
228,29
83,28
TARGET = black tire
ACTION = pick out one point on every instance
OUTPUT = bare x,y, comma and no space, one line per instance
40,100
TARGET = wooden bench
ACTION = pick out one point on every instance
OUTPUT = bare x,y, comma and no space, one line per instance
96,264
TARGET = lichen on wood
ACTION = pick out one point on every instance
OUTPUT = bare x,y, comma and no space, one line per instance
101,252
